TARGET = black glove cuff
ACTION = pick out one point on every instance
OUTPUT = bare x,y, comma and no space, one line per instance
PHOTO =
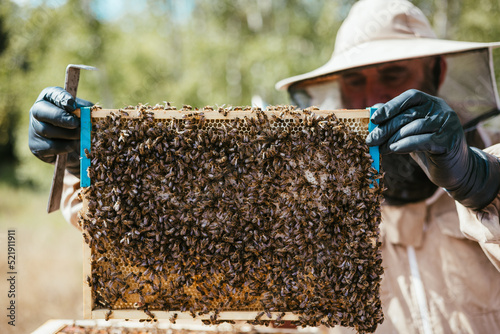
483,191
75,171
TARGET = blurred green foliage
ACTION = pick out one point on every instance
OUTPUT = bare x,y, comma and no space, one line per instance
216,52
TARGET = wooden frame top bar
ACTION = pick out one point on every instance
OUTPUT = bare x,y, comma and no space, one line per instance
214,114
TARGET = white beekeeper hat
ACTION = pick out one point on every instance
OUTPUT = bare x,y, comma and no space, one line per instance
381,31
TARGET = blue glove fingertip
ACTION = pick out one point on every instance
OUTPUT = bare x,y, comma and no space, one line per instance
71,120
69,104
378,116
369,140
374,137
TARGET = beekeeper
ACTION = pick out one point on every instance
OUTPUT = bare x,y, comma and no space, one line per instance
440,226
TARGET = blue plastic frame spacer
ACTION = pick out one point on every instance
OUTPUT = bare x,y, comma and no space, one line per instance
86,129
374,152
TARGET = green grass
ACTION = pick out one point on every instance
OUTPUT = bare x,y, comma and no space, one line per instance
48,259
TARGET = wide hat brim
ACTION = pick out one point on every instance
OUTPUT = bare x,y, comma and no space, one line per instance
383,51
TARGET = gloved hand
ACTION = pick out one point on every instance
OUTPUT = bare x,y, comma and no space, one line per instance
428,129
54,129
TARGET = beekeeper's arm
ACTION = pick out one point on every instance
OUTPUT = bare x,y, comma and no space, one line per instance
484,225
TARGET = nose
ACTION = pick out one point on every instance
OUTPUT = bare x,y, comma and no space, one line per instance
375,93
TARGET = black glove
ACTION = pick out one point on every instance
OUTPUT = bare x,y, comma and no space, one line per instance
428,129
54,129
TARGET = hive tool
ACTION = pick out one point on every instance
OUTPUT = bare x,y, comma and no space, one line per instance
70,85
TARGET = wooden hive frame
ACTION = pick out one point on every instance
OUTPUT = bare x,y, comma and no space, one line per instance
357,120
57,326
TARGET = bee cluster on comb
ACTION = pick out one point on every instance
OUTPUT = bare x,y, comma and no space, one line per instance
276,212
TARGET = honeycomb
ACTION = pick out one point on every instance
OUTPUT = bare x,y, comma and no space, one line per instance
272,211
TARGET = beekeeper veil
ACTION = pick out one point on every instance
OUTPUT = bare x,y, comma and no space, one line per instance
383,31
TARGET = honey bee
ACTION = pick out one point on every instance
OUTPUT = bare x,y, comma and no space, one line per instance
108,314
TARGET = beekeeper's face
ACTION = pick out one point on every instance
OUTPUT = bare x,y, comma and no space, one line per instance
365,87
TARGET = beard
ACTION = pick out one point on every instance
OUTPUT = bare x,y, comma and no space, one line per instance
404,181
